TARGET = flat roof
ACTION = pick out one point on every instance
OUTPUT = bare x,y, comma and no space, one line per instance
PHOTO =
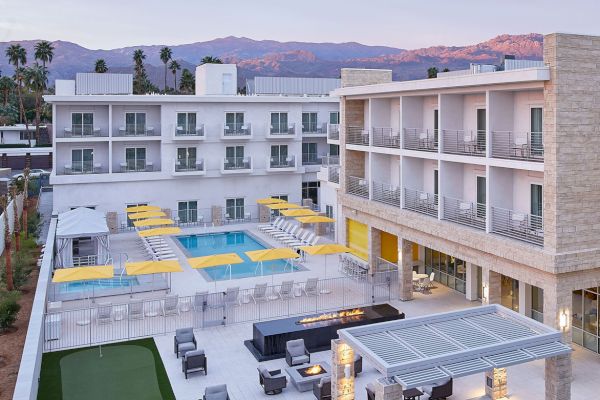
429,349
162,99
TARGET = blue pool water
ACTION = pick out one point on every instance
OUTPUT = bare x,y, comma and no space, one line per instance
230,242
99,284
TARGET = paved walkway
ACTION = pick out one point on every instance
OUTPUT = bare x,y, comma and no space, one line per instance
45,206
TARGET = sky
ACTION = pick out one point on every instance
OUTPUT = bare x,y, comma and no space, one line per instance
409,24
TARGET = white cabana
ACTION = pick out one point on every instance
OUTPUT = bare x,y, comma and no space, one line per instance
81,223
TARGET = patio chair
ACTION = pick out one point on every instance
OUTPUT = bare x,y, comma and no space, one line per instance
275,226
104,315
273,382
217,392
261,227
232,296
425,285
184,341
322,389
260,293
194,361
440,391
136,309
296,353
170,305
200,301
311,287
286,291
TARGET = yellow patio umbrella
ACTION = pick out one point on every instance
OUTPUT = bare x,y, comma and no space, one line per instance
136,209
172,230
278,253
316,219
76,274
298,212
325,250
214,261
146,214
283,206
153,267
270,200
153,222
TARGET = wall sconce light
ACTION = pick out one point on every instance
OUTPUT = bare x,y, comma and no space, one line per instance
347,371
486,292
562,320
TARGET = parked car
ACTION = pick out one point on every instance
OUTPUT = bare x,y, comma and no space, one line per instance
33,173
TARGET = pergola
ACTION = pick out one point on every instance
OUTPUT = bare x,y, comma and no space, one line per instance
431,349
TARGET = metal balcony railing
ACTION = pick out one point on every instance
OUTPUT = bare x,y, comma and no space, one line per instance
83,130
136,166
357,186
357,135
333,174
421,139
136,130
311,159
190,130
421,202
386,137
527,146
314,128
189,165
330,160
464,142
233,163
333,131
464,212
237,129
83,167
517,225
386,193
282,162
283,129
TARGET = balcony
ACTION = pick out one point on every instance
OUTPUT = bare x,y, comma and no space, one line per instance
333,131
313,128
357,186
421,139
386,137
236,165
189,132
386,193
330,160
133,130
471,143
281,164
464,212
84,167
517,225
421,202
82,131
190,165
312,159
237,131
135,166
357,135
526,146
282,131
333,174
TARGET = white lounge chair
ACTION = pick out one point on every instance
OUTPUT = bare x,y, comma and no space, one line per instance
104,315
136,309
170,305
310,287
232,296
286,291
260,293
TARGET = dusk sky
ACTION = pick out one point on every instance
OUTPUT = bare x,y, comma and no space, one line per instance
400,23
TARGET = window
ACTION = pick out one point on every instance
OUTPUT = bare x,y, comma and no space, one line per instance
436,181
279,156
536,206
537,126
309,122
135,123
234,208
509,290
82,160
279,122
234,121
436,122
186,123
310,190
186,158
234,157
82,123
537,303
309,154
187,211
449,271
334,117
334,149
481,129
23,135
481,197
329,211
135,159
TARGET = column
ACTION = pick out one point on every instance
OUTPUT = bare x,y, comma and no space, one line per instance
387,389
374,248
492,287
495,383
525,299
342,371
558,377
471,293
558,307
405,289
264,213
217,215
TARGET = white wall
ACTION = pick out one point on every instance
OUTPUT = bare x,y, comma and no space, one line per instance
430,103
471,103
386,169
152,116
216,79
523,102
152,153
63,120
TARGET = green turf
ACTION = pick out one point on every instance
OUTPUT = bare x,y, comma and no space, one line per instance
131,370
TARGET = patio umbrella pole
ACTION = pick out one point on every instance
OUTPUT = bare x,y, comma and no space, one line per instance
100,348
325,291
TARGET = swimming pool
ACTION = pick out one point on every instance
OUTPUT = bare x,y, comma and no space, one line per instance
230,242
99,284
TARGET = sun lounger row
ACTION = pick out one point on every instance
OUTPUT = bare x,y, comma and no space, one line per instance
137,309
158,249
353,267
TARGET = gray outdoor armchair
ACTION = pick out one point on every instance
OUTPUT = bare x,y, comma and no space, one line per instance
296,353
273,382
216,392
194,361
440,391
322,389
184,341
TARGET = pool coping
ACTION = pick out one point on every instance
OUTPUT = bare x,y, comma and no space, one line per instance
207,277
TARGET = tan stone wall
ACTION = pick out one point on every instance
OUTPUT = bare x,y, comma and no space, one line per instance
360,77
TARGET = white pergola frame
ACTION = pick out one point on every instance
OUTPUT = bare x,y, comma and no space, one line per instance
430,349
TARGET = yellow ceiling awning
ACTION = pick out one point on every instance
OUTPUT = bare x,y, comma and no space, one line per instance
146,214
280,253
283,206
152,267
325,249
83,273
298,212
270,200
154,222
215,260
172,230
136,209
317,219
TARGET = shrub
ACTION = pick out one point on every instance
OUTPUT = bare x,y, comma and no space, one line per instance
21,268
33,223
9,308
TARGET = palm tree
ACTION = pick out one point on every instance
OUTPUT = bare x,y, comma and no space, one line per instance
36,79
100,66
7,85
165,57
432,72
16,222
17,56
211,60
8,266
187,82
174,66
25,190
140,80
44,51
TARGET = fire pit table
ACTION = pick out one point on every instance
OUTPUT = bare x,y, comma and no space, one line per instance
303,376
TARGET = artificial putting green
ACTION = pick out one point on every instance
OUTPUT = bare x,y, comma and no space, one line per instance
130,370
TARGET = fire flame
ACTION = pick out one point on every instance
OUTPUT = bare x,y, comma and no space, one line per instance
329,316
314,370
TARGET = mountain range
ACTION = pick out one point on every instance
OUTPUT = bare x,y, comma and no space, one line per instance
273,58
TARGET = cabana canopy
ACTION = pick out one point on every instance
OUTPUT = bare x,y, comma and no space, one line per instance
153,222
76,274
280,253
81,222
136,209
325,249
160,231
215,260
152,267
317,219
270,200
146,214
283,206
298,212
